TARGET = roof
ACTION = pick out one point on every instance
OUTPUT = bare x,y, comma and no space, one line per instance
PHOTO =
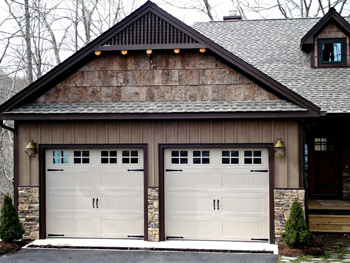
113,39
157,107
273,47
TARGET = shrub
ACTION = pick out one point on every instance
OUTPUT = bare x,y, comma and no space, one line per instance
296,233
10,228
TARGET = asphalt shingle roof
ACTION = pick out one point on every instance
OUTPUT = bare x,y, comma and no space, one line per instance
157,107
273,47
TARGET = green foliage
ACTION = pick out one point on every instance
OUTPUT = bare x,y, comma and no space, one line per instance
10,228
297,233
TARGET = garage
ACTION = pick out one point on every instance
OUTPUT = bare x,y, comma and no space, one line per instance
216,193
95,192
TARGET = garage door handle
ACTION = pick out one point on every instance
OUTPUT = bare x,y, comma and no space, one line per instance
214,203
55,170
93,202
173,170
97,203
135,170
259,171
218,204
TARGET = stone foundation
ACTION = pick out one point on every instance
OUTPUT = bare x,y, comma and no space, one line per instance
153,214
283,201
346,185
28,211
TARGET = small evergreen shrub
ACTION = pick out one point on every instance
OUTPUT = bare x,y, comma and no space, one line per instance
11,228
296,233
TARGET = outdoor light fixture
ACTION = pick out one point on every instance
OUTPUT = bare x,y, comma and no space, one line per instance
149,52
31,149
97,52
124,52
176,51
202,50
280,148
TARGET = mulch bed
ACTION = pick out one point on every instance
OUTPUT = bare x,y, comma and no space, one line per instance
6,248
315,249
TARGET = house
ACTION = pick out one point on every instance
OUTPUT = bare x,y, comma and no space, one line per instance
159,131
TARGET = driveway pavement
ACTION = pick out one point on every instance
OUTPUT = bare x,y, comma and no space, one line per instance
110,256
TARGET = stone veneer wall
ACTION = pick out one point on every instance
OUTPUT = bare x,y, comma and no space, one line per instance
283,200
346,185
153,214
28,211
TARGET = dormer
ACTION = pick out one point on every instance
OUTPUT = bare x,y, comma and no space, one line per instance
328,42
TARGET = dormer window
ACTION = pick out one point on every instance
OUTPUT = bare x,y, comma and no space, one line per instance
332,52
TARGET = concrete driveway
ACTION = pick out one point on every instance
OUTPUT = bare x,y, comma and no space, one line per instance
101,256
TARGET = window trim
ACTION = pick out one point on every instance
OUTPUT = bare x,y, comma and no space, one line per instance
331,64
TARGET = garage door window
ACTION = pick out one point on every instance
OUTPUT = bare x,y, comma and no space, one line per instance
130,157
201,157
108,157
81,157
252,157
230,157
60,157
179,157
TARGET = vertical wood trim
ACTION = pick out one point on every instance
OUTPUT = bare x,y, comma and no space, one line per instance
16,165
286,160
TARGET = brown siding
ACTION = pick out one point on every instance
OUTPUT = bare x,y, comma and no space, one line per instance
332,31
153,133
166,76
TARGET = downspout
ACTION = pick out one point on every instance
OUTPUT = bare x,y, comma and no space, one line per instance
2,125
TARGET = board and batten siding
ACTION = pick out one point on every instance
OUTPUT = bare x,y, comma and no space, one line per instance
155,132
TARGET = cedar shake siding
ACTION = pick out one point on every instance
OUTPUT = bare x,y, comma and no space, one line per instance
165,76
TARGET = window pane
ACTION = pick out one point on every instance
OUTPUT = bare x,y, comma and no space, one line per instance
205,161
65,160
257,161
234,160
196,160
77,153
65,153
235,153
86,153
134,153
113,153
134,160
125,153
174,153
196,153
125,160
104,160
184,160
225,161
257,153
77,160
183,153
332,51
174,160
104,153
113,160
248,160
86,160
225,153
206,153
248,153
56,160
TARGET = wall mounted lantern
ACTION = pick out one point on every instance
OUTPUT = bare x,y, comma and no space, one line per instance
31,149
124,52
280,148
97,52
176,51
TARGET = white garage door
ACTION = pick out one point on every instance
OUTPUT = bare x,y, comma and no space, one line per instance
216,194
94,193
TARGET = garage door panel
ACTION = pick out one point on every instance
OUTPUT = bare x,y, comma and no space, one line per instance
243,205
70,227
245,181
58,203
244,230
123,204
68,180
188,181
191,229
190,204
121,228
121,180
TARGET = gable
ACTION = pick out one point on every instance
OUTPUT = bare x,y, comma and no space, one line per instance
149,29
179,36
188,76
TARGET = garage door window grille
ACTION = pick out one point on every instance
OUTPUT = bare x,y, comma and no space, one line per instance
179,157
108,157
130,157
201,157
230,157
81,157
60,157
252,157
